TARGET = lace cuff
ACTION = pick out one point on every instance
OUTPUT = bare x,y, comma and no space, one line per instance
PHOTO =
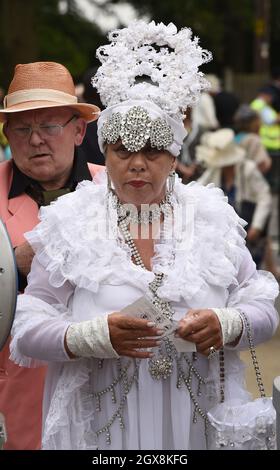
231,323
90,339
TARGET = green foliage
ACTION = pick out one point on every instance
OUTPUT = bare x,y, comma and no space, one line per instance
275,32
69,39
37,30
216,22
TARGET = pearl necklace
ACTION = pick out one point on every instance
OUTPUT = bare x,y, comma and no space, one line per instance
163,306
160,366
148,214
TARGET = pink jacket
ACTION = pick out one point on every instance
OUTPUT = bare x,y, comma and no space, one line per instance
21,389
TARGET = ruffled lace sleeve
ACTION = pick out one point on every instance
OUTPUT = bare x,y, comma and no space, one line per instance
213,245
77,241
41,321
255,295
66,228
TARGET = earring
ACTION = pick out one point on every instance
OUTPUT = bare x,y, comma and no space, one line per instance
109,182
171,181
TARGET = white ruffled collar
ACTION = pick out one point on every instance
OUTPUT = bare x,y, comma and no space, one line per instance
70,244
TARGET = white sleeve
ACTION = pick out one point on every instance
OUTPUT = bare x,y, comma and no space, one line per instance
231,323
255,296
41,321
40,287
263,197
91,339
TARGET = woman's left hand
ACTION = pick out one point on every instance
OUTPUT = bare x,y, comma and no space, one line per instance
203,328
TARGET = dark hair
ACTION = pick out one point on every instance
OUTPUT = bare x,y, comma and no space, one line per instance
267,90
243,117
275,72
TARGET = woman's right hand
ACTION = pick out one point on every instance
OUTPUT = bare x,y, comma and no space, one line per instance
130,335
24,256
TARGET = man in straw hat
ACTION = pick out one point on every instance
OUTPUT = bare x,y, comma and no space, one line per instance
43,123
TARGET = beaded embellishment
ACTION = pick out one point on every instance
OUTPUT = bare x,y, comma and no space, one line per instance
149,213
166,362
135,128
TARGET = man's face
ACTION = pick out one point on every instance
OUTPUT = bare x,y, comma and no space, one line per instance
45,158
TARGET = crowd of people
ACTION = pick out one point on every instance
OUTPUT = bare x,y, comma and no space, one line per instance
133,284
250,182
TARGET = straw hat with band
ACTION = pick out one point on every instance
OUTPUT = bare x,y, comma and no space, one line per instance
41,85
218,149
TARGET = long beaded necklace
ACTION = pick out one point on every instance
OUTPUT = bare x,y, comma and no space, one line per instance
160,366
149,213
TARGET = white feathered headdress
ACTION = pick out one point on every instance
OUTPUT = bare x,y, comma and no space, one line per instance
155,63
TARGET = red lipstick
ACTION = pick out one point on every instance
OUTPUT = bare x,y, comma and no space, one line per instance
137,183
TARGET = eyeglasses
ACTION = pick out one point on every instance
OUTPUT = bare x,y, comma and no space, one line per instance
45,130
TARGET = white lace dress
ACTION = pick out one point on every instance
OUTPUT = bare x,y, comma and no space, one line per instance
78,274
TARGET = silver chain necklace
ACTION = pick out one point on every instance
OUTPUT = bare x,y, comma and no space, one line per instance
160,366
149,213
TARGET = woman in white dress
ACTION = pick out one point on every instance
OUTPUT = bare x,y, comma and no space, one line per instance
138,282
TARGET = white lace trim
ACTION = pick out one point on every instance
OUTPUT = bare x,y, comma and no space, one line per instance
207,250
175,81
71,403
80,256
40,310
259,287
231,323
90,339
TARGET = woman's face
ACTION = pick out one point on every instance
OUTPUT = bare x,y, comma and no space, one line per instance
139,177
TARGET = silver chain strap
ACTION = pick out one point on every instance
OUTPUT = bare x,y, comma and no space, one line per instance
259,380
253,354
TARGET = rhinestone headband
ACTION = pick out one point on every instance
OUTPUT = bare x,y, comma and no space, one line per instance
135,128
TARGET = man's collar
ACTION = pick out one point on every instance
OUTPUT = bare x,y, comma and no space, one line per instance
21,182
80,171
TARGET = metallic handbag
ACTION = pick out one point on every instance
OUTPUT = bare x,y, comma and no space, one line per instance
242,425
8,297
3,436
8,285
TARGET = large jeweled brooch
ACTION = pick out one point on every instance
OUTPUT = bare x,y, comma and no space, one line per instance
161,367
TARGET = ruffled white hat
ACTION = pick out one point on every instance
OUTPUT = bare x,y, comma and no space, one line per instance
218,149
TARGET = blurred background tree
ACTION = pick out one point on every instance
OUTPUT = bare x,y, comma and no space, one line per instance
60,30
46,30
224,26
